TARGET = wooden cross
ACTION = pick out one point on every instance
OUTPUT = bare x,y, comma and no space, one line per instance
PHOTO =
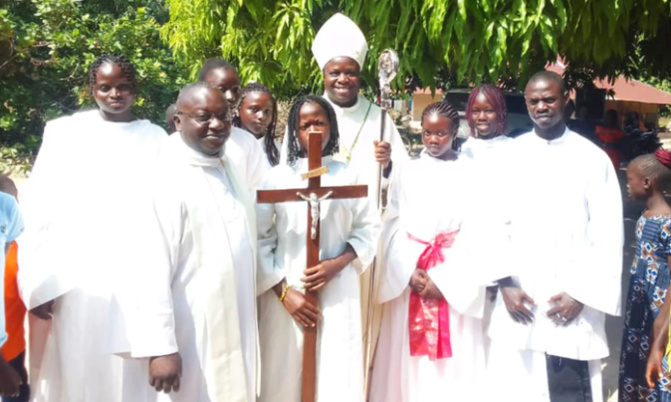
313,193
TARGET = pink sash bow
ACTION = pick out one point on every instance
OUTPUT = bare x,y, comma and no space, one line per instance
429,319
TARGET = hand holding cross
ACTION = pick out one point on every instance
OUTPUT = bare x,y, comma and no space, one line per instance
314,193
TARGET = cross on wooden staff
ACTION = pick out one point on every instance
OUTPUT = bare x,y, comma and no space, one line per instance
313,194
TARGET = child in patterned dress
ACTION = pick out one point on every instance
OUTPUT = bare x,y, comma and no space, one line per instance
647,176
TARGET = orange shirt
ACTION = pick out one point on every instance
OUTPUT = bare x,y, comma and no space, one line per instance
15,310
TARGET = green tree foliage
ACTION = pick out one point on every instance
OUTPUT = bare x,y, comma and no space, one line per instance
47,46
473,40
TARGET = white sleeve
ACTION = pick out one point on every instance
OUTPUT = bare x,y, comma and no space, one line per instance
143,308
600,260
257,164
365,233
268,273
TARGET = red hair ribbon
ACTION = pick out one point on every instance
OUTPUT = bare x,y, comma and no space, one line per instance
429,319
663,156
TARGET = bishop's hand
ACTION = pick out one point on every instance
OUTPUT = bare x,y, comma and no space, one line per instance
383,153
304,312
165,372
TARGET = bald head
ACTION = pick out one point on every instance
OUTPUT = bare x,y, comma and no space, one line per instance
7,186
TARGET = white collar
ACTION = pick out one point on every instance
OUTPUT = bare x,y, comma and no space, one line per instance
190,155
360,106
557,141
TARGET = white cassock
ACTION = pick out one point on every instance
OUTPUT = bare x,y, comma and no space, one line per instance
282,232
248,156
80,211
194,292
489,197
567,236
431,197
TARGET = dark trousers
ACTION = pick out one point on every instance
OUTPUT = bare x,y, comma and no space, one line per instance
18,364
568,380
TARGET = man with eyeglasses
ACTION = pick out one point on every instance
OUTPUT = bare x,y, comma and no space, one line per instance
243,149
190,313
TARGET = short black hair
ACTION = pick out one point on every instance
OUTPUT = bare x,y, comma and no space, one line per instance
548,76
213,64
121,61
295,151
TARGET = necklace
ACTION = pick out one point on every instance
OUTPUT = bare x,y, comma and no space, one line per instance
348,152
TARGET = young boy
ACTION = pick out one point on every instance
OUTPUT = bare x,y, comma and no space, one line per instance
12,373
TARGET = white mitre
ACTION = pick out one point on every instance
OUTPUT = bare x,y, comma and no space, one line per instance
338,37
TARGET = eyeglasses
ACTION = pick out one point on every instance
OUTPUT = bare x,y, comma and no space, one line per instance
203,118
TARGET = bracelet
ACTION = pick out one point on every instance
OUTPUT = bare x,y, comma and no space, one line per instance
284,292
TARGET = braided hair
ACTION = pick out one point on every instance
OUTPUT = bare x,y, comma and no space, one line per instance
656,166
443,108
122,62
269,136
213,64
495,97
295,149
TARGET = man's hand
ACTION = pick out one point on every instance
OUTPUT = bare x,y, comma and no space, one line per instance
382,153
304,312
516,301
565,309
165,372
318,276
654,370
418,280
43,311
431,291
9,379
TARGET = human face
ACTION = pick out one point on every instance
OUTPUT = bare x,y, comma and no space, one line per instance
342,81
311,118
256,112
637,184
228,82
484,117
546,103
113,93
437,135
203,120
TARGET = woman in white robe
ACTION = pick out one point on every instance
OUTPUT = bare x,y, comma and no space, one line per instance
346,224
80,211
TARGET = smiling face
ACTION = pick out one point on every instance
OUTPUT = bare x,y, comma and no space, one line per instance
113,92
312,117
256,112
546,103
203,120
484,117
437,135
342,81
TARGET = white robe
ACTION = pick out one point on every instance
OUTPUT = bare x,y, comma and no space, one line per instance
248,155
361,151
567,236
167,307
80,209
424,207
282,254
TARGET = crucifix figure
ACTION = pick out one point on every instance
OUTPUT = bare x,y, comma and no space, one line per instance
313,194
